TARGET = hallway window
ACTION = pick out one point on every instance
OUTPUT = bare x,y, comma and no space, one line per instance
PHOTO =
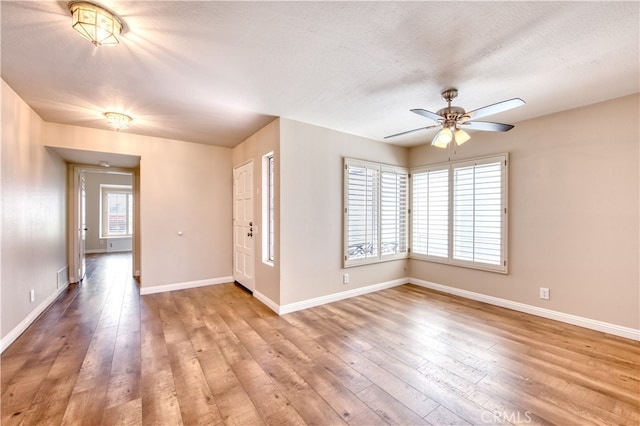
117,211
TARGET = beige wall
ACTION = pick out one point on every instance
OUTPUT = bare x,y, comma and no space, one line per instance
573,222
93,180
33,228
311,182
266,140
184,187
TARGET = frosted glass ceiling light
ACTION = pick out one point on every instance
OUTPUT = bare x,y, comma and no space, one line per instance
95,23
461,136
442,138
117,121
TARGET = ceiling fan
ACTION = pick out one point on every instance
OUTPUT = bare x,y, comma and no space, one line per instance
454,120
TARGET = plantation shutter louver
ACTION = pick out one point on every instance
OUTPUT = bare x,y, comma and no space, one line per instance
393,212
478,212
430,213
362,212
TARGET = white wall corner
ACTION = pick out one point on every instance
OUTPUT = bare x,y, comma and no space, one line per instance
184,285
29,319
605,327
268,302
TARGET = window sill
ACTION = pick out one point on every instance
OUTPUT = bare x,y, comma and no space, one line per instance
459,263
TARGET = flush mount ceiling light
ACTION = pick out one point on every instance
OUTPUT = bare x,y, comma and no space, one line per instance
452,118
117,121
95,23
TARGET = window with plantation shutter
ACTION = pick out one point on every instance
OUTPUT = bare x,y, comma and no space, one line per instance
459,213
375,224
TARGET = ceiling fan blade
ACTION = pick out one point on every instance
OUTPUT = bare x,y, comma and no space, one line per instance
494,108
486,125
410,131
428,114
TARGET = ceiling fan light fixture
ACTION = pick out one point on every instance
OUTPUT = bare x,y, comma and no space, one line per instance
450,117
442,138
461,137
95,23
117,121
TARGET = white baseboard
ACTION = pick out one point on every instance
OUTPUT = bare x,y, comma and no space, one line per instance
605,327
184,285
29,319
266,301
93,251
317,301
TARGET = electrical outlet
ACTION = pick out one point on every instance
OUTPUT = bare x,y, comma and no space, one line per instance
345,278
32,296
544,293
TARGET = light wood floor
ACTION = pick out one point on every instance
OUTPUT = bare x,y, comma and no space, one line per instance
215,355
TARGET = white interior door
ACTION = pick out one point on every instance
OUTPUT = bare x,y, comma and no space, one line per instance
77,229
243,225
82,228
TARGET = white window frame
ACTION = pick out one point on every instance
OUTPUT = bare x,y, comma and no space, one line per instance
377,214
500,265
106,189
268,209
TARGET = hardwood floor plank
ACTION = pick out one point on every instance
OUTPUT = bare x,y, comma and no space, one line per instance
232,399
127,414
96,367
389,408
160,404
442,416
324,358
217,349
196,401
85,406
313,408
415,400
124,379
322,373
19,393
270,402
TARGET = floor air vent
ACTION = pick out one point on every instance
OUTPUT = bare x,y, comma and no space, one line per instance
63,277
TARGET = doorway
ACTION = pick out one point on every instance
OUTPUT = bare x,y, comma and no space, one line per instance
102,215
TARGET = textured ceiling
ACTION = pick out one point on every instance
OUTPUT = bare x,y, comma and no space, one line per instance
215,72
